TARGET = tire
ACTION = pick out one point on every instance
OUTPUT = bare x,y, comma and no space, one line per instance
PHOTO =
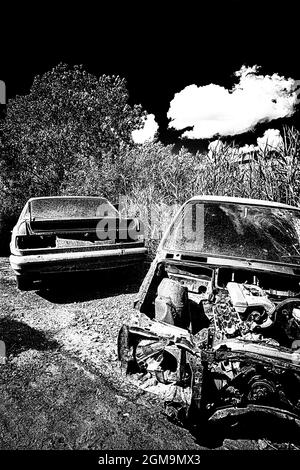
176,414
125,351
24,282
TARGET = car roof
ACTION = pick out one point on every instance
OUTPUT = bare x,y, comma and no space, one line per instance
241,200
66,197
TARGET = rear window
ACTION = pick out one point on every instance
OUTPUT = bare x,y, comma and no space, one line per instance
71,208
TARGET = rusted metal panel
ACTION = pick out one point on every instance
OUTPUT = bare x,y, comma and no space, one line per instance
239,350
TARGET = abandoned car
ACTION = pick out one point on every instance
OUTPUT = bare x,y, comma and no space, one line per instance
216,325
66,234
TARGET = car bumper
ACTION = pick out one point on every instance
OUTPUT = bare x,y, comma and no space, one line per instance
37,265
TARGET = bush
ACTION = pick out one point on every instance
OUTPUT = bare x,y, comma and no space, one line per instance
69,117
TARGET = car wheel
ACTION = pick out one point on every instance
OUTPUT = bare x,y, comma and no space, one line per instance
24,282
126,351
176,414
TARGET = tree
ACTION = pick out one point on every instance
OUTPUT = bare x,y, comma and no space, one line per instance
68,116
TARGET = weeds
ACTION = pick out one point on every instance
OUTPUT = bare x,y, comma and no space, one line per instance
271,174
155,181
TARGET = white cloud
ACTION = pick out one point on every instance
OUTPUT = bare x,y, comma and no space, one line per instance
271,140
213,110
148,132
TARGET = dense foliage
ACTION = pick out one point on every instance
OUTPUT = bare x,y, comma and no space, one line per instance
68,117
72,134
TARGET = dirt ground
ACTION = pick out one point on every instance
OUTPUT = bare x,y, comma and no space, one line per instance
62,387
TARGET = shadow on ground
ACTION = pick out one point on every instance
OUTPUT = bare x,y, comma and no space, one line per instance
279,431
19,337
80,287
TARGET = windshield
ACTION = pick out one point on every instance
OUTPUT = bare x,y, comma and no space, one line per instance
71,208
238,230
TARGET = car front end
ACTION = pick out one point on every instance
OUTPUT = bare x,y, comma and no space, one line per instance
217,320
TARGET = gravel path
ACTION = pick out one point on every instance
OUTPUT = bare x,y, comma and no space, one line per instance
62,387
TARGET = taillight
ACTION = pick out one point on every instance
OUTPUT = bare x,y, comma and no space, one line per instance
24,242
22,229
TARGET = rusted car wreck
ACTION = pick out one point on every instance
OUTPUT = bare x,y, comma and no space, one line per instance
63,234
216,326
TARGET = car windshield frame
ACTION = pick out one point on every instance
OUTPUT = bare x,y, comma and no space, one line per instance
70,208
255,236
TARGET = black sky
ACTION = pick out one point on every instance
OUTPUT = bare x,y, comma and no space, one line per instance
158,52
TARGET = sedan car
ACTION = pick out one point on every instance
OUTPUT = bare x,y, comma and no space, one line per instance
66,234
216,325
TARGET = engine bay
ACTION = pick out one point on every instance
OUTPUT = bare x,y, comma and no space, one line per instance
238,303
218,338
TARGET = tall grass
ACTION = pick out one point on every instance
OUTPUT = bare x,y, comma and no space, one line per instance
271,174
155,181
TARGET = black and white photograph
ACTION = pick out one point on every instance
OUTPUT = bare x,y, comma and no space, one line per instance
150,233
